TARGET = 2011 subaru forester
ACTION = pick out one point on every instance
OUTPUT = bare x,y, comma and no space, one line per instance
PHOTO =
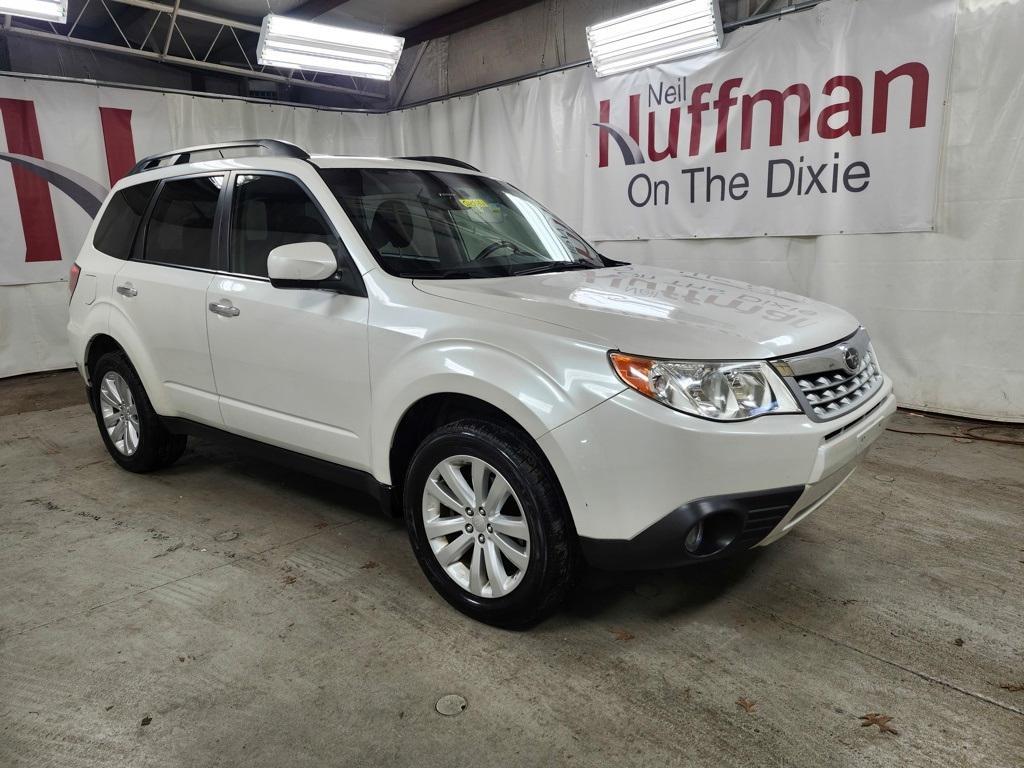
438,337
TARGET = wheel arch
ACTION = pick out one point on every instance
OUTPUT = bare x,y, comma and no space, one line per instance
123,339
99,345
431,411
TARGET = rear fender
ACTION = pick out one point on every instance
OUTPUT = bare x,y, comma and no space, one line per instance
124,332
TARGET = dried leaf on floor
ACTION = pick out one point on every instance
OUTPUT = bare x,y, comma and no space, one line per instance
369,564
1013,687
321,524
623,635
882,721
746,704
289,579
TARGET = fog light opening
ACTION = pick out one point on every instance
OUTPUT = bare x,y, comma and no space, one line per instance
713,534
694,538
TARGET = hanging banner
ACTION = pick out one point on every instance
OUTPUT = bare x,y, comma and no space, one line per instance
62,146
827,121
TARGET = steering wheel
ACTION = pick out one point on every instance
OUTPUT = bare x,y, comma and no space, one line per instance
494,247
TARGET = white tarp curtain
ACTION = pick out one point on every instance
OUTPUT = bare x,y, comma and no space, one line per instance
946,308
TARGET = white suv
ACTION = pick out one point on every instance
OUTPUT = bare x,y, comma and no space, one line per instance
440,339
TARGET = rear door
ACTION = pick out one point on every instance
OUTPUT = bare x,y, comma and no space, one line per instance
291,365
161,292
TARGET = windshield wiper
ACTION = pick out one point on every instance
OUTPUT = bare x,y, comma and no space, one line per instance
554,266
444,274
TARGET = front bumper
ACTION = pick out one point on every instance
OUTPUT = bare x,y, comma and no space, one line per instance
637,474
662,544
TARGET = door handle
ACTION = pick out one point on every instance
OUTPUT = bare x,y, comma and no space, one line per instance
127,289
224,309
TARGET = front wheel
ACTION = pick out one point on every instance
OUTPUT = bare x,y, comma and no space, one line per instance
488,523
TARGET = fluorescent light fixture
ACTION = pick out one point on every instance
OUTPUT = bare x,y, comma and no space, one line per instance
664,32
295,44
45,10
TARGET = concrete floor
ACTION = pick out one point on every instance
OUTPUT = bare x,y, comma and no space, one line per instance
226,612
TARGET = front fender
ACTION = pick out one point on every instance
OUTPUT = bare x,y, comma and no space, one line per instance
532,394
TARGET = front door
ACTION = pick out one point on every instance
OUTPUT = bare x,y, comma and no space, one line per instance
291,365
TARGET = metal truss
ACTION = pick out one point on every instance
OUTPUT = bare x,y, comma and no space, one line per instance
156,50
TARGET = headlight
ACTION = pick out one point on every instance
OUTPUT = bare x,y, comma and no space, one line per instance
729,391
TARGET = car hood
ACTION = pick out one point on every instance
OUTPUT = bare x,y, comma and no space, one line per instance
660,312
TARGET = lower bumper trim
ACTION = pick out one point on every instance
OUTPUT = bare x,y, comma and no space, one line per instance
661,544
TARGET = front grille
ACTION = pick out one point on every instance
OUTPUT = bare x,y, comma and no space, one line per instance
825,384
832,394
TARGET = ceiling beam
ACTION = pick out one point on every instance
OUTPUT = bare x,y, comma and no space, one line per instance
275,77
462,18
125,16
312,9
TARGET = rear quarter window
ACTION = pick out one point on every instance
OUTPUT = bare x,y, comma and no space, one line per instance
116,231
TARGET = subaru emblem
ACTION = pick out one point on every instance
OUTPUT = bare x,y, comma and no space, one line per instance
852,359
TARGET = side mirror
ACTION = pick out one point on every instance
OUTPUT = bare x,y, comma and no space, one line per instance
301,265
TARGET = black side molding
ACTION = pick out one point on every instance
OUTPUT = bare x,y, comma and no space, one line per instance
337,473
661,544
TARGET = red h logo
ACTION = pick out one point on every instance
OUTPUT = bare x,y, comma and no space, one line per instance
118,142
33,192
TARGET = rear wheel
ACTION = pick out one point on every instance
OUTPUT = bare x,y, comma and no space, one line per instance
488,524
130,428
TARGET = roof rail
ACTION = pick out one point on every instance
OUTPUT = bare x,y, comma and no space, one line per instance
273,147
443,161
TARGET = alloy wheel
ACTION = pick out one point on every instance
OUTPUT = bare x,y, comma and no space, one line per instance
475,526
119,412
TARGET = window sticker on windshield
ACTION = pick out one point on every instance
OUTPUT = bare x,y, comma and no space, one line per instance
473,202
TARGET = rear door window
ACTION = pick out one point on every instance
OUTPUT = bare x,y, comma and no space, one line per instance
181,226
116,231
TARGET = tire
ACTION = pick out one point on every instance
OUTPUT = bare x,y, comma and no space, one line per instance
146,444
515,597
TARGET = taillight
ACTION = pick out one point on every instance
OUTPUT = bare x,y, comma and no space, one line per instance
76,271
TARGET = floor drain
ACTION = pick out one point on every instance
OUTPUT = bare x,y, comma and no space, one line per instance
451,704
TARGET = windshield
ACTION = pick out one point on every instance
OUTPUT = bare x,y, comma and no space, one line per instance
430,224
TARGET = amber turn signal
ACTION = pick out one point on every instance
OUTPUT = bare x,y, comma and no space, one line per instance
634,371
